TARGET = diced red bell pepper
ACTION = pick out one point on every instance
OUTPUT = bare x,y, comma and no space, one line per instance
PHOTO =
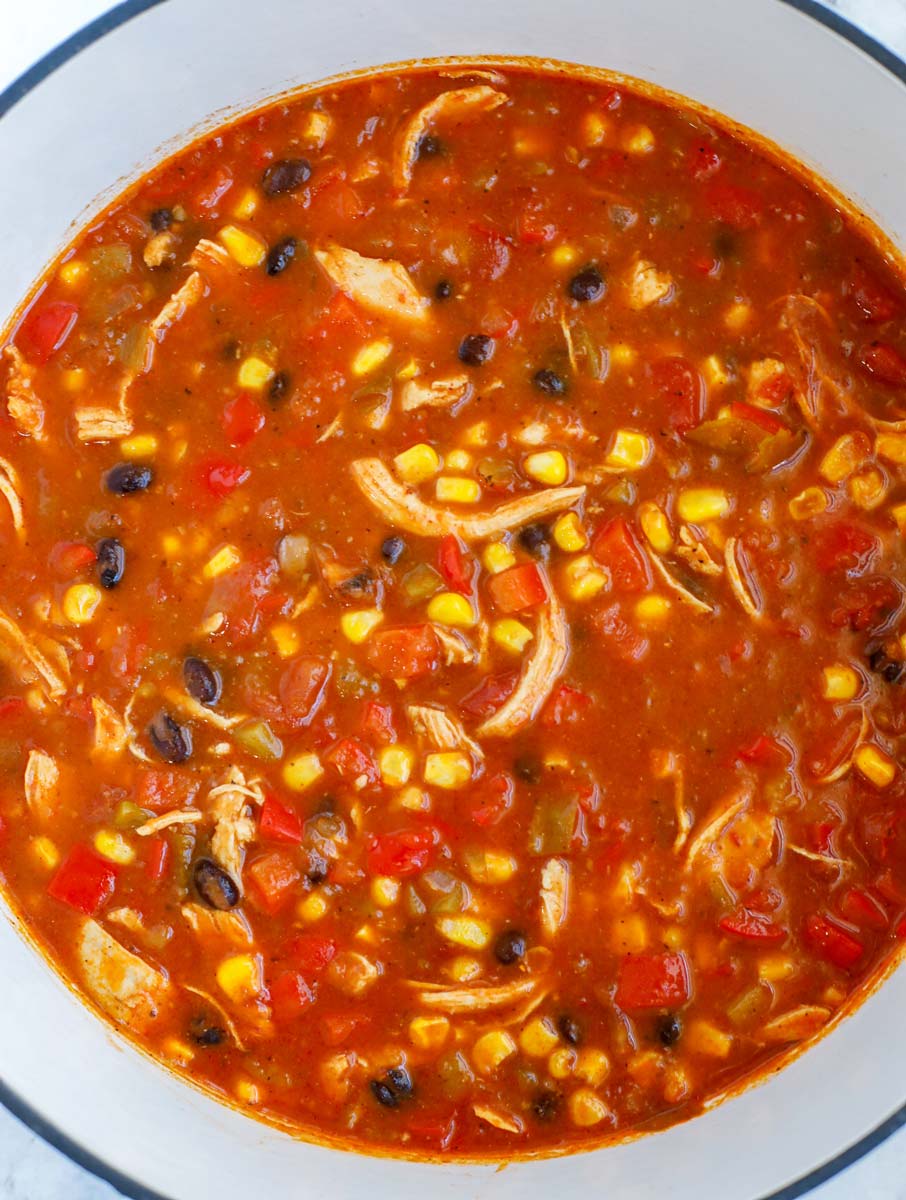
615,546
875,302
490,799
377,723
290,996
629,644
703,162
862,908
337,1028
737,206
302,687
832,943
757,416
83,880
405,652
67,559
405,852
11,706
311,953
241,419
884,363
45,329
212,190
279,823
353,762
566,706
764,751
452,563
844,546
157,858
752,926
680,385
653,981
518,588
221,476
488,696
274,876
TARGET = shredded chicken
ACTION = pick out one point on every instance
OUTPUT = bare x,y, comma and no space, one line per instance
675,586
209,254
11,489
828,860
506,1121
716,825
42,785
816,371
22,402
183,298
176,816
554,895
695,553
129,918
381,286
221,1012
190,707
233,827
443,730
159,249
477,999
797,1024
647,285
740,580
667,765
457,105
96,423
110,734
352,973
441,393
456,647
403,508
539,675
211,924
48,662
128,989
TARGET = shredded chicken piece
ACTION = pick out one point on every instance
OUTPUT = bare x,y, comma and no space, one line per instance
828,860
132,740
22,402
675,586
695,553
189,707
490,76
214,925
457,105
220,1010
667,765
331,431
160,248
110,734
477,999
740,580
647,285
506,1121
209,254
11,489
233,827
176,816
42,785
797,1024
96,423
28,659
381,286
554,895
128,989
129,918
442,729
352,973
403,508
456,647
844,768
440,393
183,298
716,825
539,675
816,372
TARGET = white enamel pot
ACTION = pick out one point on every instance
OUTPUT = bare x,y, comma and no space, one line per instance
99,110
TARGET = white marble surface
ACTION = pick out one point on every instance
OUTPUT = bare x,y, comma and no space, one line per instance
29,1168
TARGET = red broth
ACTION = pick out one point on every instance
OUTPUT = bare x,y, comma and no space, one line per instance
452,618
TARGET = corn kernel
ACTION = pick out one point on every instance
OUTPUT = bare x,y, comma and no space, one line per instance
677,1084
463,969
459,460
594,129
73,272
248,1091
45,851
239,976
395,764
417,464
569,533
80,602
177,1051
497,557
538,1038
511,635
408,370
548,467
111,844
561,1063
74,379
737,316
247,205
471,932
640,140
774,968
584,579
225,560
316,127
453,489
449,608
655,527
429,1033
840,683
702,504
593,1066
414,799
891,446
587,1109
243,247
898,512
652,610
867,488
301,770
715,371
704,1038
847,453
385,891
448,769
810,503
313,907
478,435
370,357
491,1050
564,256
622,355
141,445
645,1067
171,545
674,938
875,765
285,638
629,450
358,626
490,866
254,373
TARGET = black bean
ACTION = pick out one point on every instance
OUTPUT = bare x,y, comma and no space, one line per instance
891,670
317,872
894,672
232,351
528,768
587,286
429,146
535,539
394,1087
392,550
172,741
443,289
383,1094
280,255
360,586
546,1106
111,557
215,886
279,386
476,349
161,219
203,1033
669,1030
127,477
400,1080
285,175
202,682
549,382
569,1029
509,947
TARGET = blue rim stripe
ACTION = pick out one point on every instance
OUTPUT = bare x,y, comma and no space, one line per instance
11,1100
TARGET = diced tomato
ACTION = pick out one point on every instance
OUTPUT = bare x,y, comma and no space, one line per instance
274,876
834,944
703,162
127,654
866,603
653,981
488,696
83,880
833,748
844,546
11,706
161,790
492,251
45,329
405,652
490,799
518,588
221,476
405,852
311,953
764,751
533,230
337,1028
680,384
616,547
279,823
629,644
377,722
456,568
157,857
875,302
239,594
884,363
302,688
758,416
340,316
212,190
337,200
753,926
241,419
290,996
566,706
862,908
820,835
353,761
439,1131
67,559
735,205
